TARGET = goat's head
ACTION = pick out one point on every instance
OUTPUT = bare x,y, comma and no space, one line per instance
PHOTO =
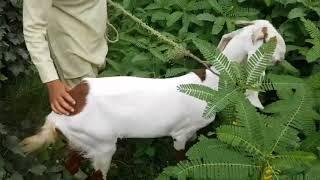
240,44
263,30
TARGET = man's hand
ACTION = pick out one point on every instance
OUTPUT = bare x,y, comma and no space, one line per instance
60,100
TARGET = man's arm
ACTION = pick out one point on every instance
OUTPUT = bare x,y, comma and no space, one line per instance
35,21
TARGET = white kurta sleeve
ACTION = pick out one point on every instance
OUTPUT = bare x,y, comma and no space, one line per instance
35,21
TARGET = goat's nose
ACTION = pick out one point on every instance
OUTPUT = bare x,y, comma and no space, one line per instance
277,62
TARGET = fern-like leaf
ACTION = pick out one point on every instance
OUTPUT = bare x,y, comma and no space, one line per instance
258,63
197,169
201,92
237,137
312,29
216,100
296,118
313,54
293,161
218,60
249,119
215,151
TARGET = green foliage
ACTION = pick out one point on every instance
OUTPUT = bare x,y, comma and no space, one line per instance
274,145
14,59
227,12
271,143
314,53
258,62
280,142
234,79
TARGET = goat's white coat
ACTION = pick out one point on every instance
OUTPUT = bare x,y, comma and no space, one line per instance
132,107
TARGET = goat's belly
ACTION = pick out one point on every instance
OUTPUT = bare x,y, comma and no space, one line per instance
147,114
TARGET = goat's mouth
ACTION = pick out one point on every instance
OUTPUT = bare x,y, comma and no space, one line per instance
277,62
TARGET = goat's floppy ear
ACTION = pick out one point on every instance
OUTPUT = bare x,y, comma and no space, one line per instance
243,23
224,42
260,34
226,39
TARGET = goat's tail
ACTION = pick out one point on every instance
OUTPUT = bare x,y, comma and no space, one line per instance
47,135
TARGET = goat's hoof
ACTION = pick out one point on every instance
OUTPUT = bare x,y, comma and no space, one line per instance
180,155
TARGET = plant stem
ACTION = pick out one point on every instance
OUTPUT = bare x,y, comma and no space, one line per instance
159,35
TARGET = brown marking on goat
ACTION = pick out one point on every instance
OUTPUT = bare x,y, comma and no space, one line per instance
265,34
97,175
79,94
73,163
201,73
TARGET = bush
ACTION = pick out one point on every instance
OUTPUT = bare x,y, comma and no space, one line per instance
14,58
140,54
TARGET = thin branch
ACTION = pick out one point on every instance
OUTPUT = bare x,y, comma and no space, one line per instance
159,35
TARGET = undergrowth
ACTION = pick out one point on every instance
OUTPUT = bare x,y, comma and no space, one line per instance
281,142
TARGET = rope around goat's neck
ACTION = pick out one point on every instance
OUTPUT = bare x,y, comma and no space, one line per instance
160,36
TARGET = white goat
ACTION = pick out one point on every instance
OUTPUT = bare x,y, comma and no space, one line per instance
131,107
239,45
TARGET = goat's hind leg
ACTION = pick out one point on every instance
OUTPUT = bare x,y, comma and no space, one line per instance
180,144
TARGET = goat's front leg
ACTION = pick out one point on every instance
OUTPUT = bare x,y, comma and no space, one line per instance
101,162
180,143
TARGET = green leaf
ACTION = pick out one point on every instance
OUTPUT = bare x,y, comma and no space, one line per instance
2,173
16,176
3,130
201,92
312,29
216,100
218,60
197,169
16,69
258,63
296,13
3,78
268,2
223,99
173,18
175,71
9,56
38,169
156,53
206,17
250,120
216,6
293,160
218,25
235,136
159,16
313,54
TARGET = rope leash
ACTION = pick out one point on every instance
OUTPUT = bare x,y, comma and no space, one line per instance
155,33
